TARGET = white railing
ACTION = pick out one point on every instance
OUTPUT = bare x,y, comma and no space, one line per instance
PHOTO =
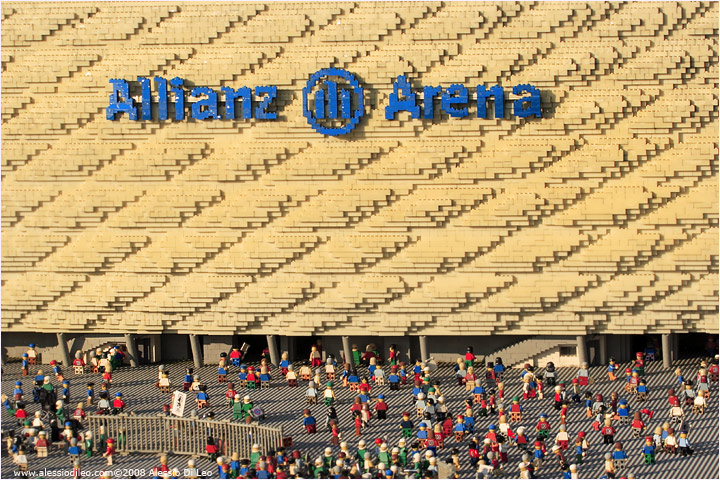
183,436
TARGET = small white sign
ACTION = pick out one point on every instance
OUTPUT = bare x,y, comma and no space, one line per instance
178,403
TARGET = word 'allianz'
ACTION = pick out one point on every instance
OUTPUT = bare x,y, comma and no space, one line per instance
205,107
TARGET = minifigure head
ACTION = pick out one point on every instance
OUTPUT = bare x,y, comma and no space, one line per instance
607,422
618,446
246,399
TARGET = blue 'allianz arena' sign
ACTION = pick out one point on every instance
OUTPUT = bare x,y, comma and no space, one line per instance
333,101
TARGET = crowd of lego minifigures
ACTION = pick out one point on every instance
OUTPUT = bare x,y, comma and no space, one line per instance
430,448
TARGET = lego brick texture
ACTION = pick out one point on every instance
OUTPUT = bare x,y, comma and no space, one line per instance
599,217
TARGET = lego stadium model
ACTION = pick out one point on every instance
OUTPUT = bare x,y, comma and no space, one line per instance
198,196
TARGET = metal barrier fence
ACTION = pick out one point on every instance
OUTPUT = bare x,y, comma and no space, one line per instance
183,436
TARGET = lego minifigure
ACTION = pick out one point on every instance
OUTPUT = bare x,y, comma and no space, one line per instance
235,356
478,391
521,440
103,406
609,466
402,372
459,429
191,471
670,443
365,415
538,454
619,456
608,433
79,413
309,421
562,439
549,377
676,412
118,404
622,411
684,445
107,375
21,461
648,451
291,377
311,394
612,369
18,391
252,381
699,405
559,397
639,364
88,444
57,370
110,451
469,379
714,369
202,399
679,376
212,450
579,453
499,368
469,357
441,409
543,427
42,445
74,450
230,394
575,395
516,410
315,357
406,425
32,354
529,384
284,363
379,376
247,408
222,371
394,379
381,407
79,363
25,364
65,391
393,355
305,372
187,379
